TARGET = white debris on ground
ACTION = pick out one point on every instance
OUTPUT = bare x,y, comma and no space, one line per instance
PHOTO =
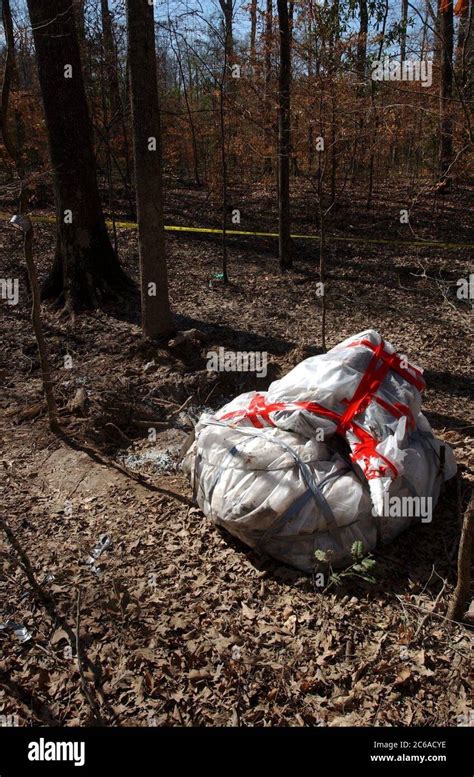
336,452
164,454
160,460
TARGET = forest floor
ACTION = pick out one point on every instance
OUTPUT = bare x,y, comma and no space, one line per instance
185,625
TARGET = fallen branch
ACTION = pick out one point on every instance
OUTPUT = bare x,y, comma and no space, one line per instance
80,665
49,606
99,458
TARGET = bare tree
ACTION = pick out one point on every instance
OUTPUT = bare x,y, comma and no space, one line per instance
465,43
177,54
284,83
223,154
85,268
403,33
110,58
268,77
362,41
228,11
8,74
253,29
446,29
156,314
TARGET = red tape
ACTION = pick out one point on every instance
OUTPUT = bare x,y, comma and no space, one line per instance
258,409
416,380
380,364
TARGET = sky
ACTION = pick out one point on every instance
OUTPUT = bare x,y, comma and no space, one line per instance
193,16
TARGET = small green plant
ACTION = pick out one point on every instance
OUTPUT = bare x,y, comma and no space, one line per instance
362,566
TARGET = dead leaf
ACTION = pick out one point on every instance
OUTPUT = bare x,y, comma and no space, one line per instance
248,612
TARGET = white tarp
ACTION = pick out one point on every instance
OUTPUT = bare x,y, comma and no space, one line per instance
336,451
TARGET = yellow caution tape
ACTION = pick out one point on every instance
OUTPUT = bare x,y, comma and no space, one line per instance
329,238
242,233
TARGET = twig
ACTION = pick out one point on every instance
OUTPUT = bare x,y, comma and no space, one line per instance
181,407
144,424
428,614
121,434
85,685
423,609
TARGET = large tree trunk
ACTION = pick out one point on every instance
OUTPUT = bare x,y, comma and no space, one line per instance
284,242
85,268
156,315
446,88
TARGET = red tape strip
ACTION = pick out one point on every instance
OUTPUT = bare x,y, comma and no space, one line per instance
380,364
416,380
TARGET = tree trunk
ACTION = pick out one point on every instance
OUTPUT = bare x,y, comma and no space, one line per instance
85,268
156,315
110,57
335,34
465,46
446,88
362,41
79,14
227,10
458,604
189,112
437,38
267,167
8,75
253,30
284,242
80,18
227,84
469,54
222,140
403,34
462,26
13,146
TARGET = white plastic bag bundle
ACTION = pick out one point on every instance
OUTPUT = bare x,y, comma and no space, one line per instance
260,469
